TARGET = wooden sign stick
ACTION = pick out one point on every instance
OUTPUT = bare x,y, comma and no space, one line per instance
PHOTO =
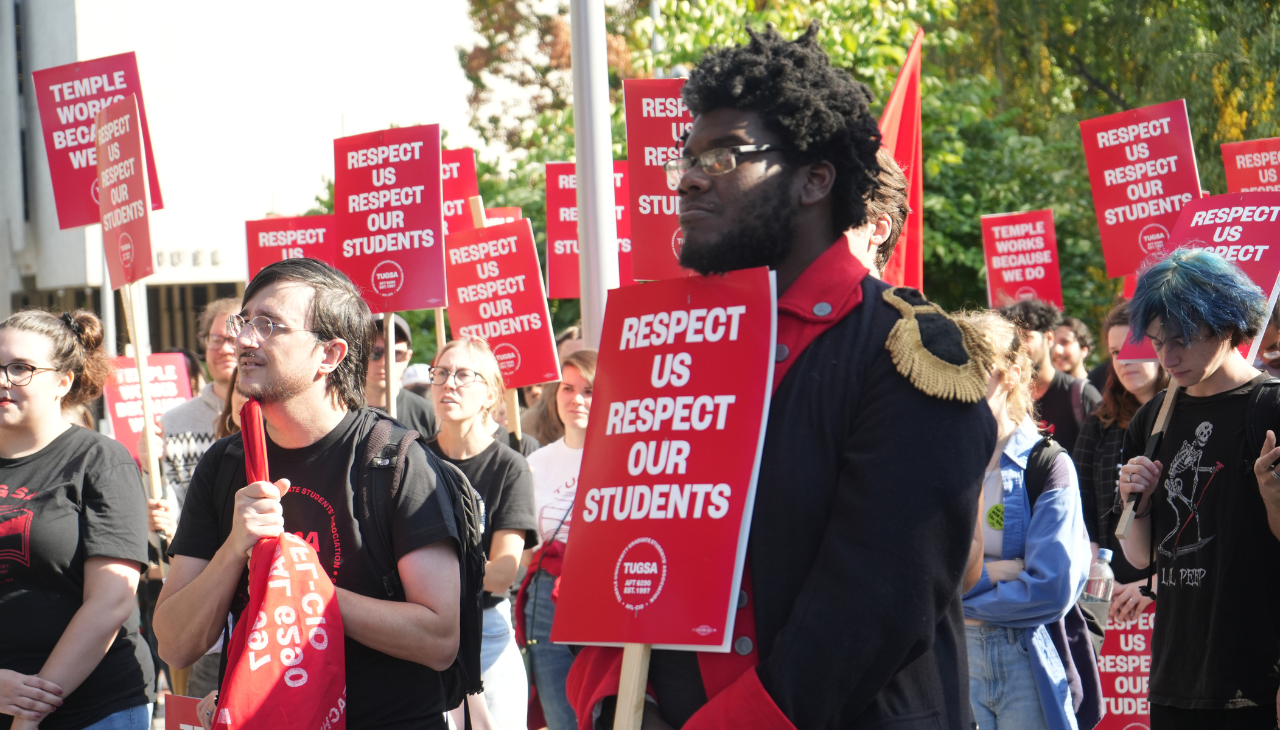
513,400
635,676
439,328
389,374
1153,446
133,319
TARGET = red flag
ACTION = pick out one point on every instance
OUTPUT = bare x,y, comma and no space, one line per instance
902,135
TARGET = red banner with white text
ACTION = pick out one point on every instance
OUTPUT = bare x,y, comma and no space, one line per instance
167,383
563,274
657,117
459,184
275,239
1252,166
1022,258
122,202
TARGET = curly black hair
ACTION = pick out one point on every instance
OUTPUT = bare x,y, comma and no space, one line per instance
1032,315
820,112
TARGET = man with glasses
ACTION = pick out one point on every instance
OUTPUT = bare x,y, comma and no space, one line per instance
303,343
878,434
412,409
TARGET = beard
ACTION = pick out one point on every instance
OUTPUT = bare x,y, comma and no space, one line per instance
762,237
279,388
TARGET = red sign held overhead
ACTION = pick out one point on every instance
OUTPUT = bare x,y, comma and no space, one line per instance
562,228
1244,228
275,239
1125,665
459,183
1022,258
669,473
69,98
1252,166
167,383
1142,169
387,202
656,120
122,203
498,295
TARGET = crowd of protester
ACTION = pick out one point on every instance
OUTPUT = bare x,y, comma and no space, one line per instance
919,582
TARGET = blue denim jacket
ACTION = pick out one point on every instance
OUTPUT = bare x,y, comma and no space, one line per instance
1053,543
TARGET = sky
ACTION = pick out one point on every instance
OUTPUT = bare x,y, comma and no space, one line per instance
244,100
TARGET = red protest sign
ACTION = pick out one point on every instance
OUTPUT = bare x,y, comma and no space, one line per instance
275,239
459,184
498,295
1022,258
387,202
122,203
668,477
498,216
1241,227
656,119
1124,666
180,713
1252,166
69,98
1142,169
167,382
562,229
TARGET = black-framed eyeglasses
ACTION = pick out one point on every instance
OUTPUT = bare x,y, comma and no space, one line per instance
380,352
263,326
462,376
215,342
20,373
714,162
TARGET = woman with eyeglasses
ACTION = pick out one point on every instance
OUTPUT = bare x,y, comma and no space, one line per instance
555,478
73,538
466,385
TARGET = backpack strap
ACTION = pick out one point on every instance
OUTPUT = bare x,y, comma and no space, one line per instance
1077,400
1039,462
381,472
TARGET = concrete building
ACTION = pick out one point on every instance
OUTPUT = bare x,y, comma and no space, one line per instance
43,266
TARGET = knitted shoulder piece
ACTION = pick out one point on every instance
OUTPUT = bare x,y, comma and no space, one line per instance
940,356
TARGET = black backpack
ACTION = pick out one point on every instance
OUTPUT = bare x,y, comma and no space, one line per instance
381,470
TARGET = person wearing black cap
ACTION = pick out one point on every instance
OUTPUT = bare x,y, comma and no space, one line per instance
412,409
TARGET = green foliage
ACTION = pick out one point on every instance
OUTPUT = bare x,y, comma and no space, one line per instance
324,201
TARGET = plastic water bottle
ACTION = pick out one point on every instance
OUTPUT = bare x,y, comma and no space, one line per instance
1101,579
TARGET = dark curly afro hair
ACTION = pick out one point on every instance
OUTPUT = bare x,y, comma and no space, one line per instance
820,112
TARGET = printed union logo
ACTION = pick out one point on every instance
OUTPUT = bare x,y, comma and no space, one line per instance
1026,292
388,277
640,574
508,358
1152,238
126,250
704,630
677,242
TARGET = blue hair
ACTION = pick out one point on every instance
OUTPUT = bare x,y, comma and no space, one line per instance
1193,288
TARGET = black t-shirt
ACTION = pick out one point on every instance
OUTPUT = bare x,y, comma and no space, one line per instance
1058,408
79,497
528,444
1217,633
416,412
383,691
503,480
1098,456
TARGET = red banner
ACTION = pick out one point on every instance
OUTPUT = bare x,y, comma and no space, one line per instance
122,202
669,473
656,119
562,229
1142,169
69,98
1252,166
1243,228
275,239
387,202
167,382
498,295
1125,664
1022,258
458,180
180,712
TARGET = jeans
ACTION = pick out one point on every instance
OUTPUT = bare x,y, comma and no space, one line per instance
1002,686
550,662
134,718
506,687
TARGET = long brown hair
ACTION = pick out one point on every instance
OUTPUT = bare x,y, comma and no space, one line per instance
75,346
1118,404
